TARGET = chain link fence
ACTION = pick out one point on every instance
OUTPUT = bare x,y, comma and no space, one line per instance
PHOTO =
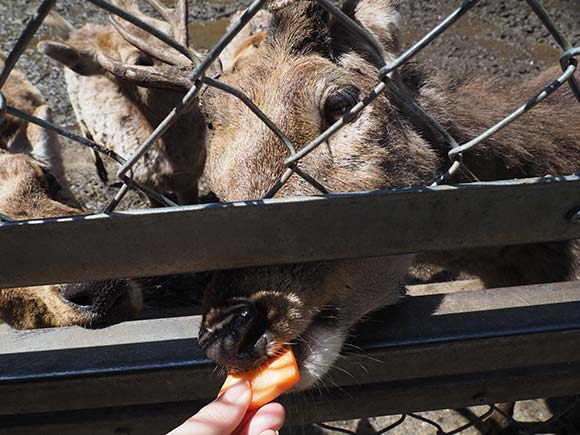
199,80
296,152
477,420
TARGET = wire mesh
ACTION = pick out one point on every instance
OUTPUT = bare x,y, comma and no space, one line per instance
384,82
198,79
493,419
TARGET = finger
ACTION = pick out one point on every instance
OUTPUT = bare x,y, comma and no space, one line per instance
245,421
221,416
270,417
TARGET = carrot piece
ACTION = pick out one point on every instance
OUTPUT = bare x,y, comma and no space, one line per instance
268,381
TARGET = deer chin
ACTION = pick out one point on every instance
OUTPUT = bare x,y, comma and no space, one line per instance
316,350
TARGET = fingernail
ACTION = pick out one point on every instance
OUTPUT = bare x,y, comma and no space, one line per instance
238,392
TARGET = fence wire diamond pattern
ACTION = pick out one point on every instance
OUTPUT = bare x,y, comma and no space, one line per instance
568,61
480,422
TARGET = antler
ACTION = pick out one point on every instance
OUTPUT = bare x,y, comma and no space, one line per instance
179,59
176,17
175,26
173,77
175,74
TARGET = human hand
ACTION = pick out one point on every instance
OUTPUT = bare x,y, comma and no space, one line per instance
226,415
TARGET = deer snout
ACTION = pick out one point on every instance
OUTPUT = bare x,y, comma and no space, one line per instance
105,302
235,337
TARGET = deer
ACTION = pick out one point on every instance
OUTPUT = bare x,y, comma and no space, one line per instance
33,186
118,114
305,73
32,179
16,137
314,307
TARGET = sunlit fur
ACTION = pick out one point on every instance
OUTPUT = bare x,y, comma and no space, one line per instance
305,57
121,116
25,194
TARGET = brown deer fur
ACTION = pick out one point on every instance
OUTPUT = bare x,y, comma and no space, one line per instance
120,115
32,186
112,112
304,60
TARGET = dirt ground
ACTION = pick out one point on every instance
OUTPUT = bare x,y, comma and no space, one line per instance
502,39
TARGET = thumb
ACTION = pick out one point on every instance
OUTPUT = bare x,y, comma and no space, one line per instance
220,417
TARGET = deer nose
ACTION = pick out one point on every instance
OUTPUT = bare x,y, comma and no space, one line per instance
97,297
235,337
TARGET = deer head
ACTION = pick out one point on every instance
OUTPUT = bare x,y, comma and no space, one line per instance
103,71
32,186
308,71
28,190
304,72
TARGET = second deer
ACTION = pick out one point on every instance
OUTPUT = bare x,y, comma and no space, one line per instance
33,186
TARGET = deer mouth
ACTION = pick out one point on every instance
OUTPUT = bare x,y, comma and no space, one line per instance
318,347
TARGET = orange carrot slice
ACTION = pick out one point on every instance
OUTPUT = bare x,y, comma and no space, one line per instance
268,381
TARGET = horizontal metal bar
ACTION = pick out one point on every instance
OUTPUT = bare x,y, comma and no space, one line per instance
278,231
430,352
334,403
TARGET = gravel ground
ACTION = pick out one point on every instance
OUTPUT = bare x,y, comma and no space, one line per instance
499,38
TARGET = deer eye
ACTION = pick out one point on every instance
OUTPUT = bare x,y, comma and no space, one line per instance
340,103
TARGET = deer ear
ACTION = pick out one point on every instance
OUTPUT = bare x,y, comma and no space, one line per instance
243,51
70,57
299,26
381,18
44,143
246,42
